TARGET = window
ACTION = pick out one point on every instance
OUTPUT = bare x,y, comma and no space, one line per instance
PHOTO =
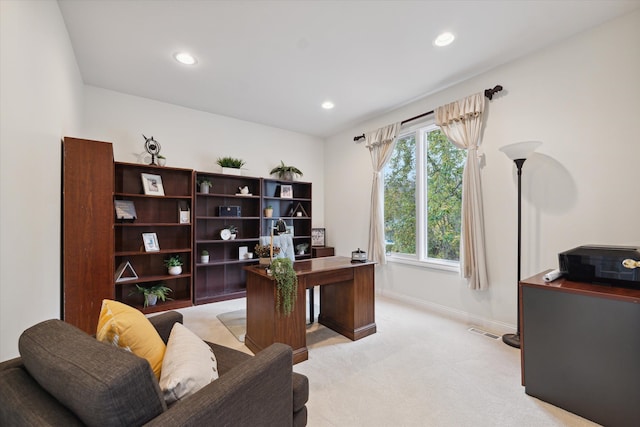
423,197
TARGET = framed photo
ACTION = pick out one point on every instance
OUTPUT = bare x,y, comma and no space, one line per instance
286,192
152,184
150,242
125,209
317,237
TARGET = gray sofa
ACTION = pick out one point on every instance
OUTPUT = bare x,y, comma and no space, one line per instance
65,377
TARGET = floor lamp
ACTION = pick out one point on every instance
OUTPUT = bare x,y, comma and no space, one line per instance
518,152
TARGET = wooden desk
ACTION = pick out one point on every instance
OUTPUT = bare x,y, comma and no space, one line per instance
581,348
347,297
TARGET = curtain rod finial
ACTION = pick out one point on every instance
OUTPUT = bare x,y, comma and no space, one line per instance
490,92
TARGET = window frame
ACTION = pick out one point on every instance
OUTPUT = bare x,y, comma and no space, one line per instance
420,259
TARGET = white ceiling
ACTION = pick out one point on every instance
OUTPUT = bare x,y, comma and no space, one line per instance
275,62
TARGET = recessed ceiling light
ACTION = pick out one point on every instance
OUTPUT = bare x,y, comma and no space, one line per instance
185,58
327,105
444,39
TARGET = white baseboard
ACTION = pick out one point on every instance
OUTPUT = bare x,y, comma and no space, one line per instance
498,328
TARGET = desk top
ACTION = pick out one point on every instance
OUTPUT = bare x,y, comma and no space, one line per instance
583,288
315,265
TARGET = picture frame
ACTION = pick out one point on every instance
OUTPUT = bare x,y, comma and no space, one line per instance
125,209
184,213
286,192
152,184
317,237
150,241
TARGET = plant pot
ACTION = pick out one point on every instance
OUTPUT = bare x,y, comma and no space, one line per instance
204,259
231,171
204,188
151,299
176,270
268,213
265,261
162,161
233,236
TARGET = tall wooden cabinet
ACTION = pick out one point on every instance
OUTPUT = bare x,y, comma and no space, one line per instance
87,230
222,277
105,256
158,214
293,205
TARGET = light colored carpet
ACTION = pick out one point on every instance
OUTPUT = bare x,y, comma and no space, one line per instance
419,369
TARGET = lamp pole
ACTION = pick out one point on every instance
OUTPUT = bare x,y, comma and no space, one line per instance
514,339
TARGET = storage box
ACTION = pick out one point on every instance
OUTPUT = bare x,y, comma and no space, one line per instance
229,211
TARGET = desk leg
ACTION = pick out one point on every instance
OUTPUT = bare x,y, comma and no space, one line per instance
312,315
348,307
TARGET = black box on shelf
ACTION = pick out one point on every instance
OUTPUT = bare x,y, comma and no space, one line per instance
229,211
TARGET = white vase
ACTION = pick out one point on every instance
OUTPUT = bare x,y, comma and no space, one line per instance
152,299
204,259
232,171
204,188
174,271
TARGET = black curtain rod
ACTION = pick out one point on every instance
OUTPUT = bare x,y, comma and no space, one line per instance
487,92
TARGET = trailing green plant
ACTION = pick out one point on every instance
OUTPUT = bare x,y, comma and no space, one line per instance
230,162
205,181
286,285
232,228
173,261
285,172
264,251
159,290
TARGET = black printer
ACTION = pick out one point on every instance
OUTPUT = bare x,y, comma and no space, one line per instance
611,265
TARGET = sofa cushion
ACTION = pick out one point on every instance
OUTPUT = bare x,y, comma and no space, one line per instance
126,327
24,403
101,384
189,364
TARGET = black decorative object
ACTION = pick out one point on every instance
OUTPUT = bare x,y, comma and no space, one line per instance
152,147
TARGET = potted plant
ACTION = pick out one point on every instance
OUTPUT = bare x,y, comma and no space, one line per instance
286,285
153,293
230,165
174,264
285,172
263,252
162,160
302,248
268,211
204,256
205,185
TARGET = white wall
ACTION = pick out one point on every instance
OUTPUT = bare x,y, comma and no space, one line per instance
194,139
41,101
581,99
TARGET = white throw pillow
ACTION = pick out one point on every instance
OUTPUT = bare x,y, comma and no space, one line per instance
188,365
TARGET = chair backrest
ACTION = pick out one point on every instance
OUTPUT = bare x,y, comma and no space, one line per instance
284,242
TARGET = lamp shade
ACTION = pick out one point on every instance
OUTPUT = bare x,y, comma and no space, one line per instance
520,150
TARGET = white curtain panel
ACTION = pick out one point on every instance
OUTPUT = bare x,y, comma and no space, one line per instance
380,144
461,122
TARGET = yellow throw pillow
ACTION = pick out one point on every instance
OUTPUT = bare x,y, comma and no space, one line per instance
127,328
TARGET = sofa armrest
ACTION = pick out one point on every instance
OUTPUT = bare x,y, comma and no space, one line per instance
256,392
164,323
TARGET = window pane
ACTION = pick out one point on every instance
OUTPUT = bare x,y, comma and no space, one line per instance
400,197
445,163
